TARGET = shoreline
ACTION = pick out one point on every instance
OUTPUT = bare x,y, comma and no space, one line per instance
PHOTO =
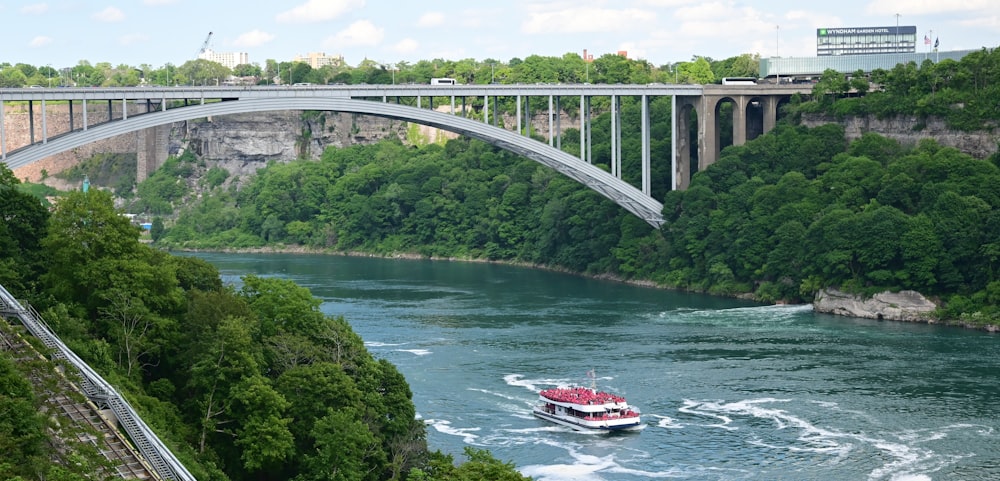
988,328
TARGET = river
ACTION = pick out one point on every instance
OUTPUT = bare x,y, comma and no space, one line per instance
729,390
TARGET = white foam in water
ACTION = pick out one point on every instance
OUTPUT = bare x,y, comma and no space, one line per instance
381,344
497,394
419,352
689,407
444,426
665,421
532,384
905,459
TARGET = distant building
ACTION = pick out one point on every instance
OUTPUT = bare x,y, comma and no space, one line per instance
229,59
793,69
320,59
865,40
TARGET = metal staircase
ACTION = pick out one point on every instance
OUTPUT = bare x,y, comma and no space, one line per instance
98,391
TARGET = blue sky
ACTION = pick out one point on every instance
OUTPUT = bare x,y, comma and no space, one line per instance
60,33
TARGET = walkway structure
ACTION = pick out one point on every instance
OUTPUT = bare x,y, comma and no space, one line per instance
155,454
144,109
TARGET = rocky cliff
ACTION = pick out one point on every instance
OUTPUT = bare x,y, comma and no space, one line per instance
896,306
908,130
244,143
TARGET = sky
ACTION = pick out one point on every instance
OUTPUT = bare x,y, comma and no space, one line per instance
61,33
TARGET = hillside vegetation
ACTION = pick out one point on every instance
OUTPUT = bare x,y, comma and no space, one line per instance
248,383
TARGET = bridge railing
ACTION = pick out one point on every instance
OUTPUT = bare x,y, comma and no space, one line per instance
159,457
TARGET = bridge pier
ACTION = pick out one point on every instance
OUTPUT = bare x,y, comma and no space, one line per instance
151,150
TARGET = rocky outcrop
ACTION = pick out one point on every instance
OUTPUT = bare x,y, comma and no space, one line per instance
908,306
904,129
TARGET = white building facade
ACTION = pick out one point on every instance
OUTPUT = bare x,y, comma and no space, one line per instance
229,59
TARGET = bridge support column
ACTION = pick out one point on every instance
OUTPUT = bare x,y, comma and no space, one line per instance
708,134
3,134
739,120
683,107
769,105
31,122
558,125
616,139
646,187
583,128
550,121
151,150
517,113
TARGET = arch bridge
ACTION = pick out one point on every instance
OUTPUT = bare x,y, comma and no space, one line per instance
143,109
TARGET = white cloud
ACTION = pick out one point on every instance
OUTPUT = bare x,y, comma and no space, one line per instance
110,14
319,11
133,38
907,8
431,19
253,38
665,3
40,41
723,22
35,9
586,20
990,22
406,45
360,33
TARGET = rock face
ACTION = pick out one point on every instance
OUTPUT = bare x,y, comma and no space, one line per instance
979,144
896,306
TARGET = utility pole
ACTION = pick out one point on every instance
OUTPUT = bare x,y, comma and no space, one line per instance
777,77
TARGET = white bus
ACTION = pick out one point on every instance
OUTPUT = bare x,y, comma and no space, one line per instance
739,81
443,81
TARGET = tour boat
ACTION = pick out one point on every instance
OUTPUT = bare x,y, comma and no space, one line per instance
587,409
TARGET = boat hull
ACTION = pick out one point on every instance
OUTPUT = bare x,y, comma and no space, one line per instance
630,424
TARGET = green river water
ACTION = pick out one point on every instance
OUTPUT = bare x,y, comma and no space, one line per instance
728,390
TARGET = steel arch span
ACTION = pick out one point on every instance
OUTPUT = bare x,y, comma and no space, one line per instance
620,192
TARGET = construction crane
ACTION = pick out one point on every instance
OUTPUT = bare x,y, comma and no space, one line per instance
204,46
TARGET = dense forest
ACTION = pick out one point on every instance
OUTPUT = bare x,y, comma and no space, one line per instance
247,383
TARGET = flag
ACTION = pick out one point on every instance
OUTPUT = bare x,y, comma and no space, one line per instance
936,40
927,40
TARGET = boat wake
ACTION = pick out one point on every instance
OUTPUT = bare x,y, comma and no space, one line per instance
907,455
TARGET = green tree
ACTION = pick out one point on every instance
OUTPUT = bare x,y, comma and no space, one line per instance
345,450
157,229
263,429
23,224
204,72
698,71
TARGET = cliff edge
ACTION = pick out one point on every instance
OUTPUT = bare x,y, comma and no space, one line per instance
910,306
